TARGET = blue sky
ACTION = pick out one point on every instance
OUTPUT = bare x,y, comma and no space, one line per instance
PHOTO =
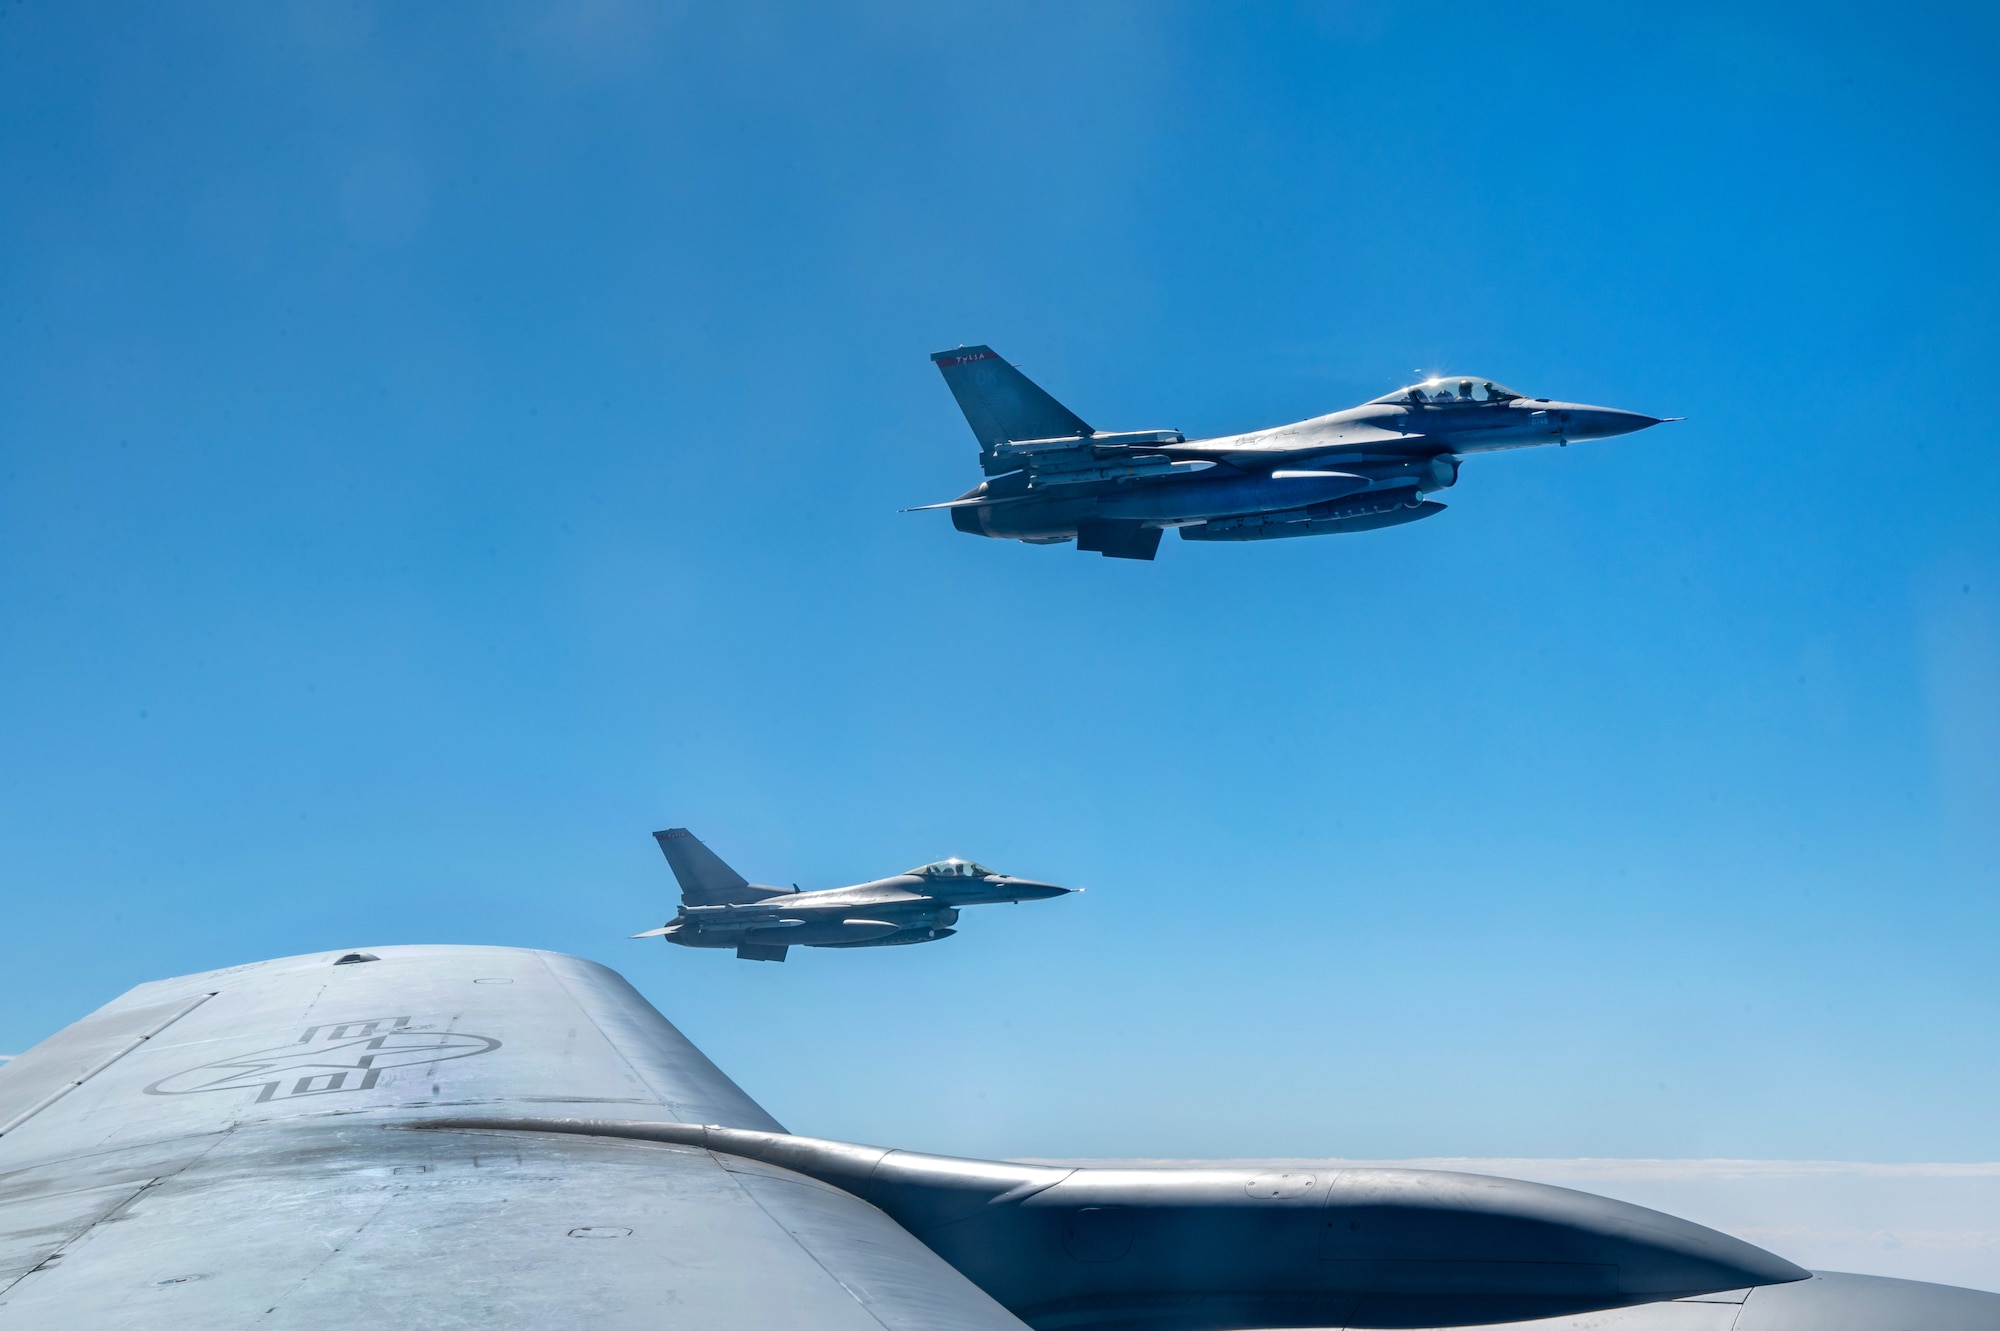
441,444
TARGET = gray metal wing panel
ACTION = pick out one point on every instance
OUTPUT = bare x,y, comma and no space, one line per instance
329,1223
873,1257
1836,1301
420,1027
75,1054
659,1054
45,1208
250,1163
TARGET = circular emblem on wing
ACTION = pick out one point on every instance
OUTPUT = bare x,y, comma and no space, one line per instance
328,1060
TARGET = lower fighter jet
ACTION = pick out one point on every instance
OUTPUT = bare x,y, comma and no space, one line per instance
720,909
1054,478
457,1137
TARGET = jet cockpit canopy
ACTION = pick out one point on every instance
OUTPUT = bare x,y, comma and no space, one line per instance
952,868
1450,389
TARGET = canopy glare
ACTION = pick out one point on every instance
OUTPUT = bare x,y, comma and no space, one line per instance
1449,390
952,868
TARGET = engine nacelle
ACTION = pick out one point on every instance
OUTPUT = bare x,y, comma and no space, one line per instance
1221,1248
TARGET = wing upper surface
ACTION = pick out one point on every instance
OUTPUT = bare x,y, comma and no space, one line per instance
236,1149
249,1163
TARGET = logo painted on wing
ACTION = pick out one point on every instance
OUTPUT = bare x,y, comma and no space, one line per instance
328,1060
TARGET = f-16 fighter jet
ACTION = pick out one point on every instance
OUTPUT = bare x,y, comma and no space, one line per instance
920,905
1054,478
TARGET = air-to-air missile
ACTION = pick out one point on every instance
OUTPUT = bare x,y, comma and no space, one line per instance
1053,478
720,909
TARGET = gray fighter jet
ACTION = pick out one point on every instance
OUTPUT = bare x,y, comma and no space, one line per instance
720,909
1054,478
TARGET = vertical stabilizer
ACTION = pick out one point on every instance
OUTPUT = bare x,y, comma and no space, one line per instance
1000,402
705,880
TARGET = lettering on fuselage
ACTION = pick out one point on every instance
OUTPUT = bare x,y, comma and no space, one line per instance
328,1059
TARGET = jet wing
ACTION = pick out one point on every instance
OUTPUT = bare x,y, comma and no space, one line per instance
235,1148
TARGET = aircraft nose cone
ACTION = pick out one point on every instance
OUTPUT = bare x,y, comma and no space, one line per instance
1606,422
1626,422
1027,889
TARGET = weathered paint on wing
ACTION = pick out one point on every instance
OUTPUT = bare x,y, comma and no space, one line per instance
247,1164
460,1137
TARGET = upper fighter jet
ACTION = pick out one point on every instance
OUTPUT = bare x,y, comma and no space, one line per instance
720,909
1054,478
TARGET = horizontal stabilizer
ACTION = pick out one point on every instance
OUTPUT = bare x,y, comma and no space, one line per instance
1119,540
705,880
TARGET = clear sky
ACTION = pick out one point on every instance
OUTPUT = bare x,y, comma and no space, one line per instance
441,444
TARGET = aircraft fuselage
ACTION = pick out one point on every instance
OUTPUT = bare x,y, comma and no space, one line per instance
903,908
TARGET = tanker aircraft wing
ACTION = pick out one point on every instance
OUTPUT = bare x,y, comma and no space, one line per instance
445,1137
232,1149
